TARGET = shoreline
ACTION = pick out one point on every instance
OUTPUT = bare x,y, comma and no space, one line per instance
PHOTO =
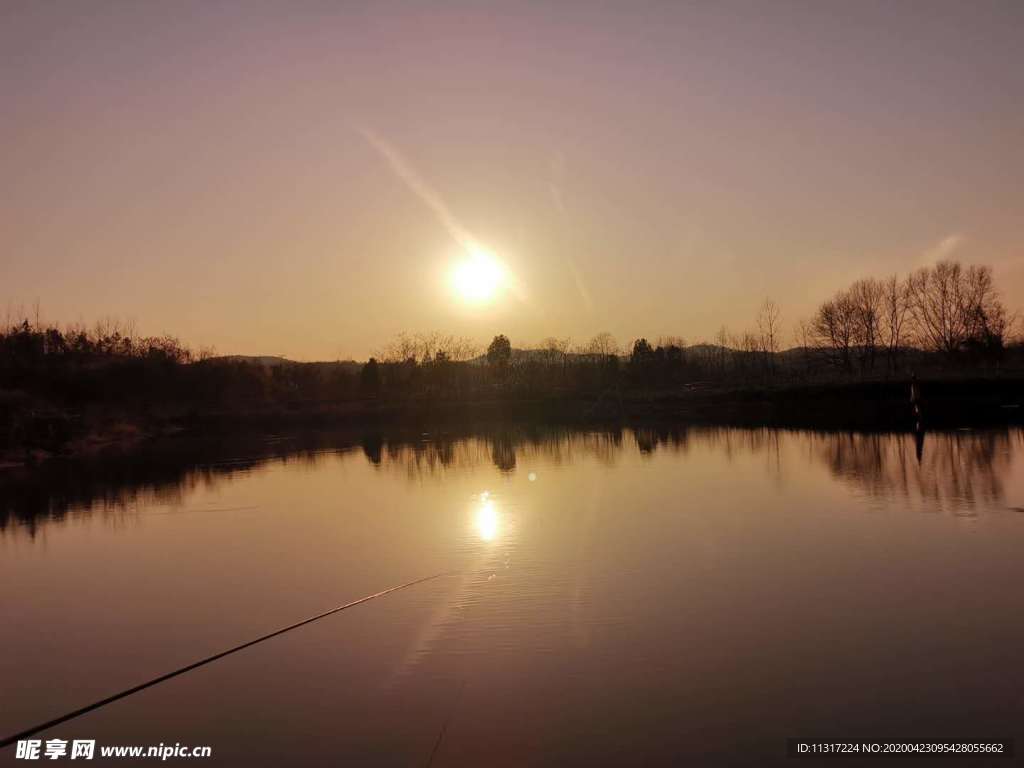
858,406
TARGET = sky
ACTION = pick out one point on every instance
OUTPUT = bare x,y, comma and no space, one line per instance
302,178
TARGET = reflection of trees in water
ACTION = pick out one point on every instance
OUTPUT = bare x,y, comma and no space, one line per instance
681,438
503,453
432,454
955,470
373,448
115,492
115,487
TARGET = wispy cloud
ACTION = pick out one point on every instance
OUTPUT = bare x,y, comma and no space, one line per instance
943,249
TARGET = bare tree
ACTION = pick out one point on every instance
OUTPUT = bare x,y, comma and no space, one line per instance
865,297
723,344
768,325
953,307
602,345
803,335
460,349
750,350
555,349
403,348
834,329
425,347
895,311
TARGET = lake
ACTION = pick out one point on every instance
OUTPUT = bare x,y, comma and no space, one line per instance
658,596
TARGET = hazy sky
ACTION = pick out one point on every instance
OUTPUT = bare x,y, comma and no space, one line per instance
285,178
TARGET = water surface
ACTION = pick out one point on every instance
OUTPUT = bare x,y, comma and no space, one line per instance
660,596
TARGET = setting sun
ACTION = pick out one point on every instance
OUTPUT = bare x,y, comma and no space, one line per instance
478,277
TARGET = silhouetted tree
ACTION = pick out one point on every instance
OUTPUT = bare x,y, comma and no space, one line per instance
895,309
369,377
641,363
954,307
602,345
866,297
642,352
768,328
499,352
834,329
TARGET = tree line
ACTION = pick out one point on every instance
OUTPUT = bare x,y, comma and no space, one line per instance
942,317
947,309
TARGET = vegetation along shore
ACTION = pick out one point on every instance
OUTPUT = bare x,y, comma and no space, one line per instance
75,390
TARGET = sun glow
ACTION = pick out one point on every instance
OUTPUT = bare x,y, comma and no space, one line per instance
478,278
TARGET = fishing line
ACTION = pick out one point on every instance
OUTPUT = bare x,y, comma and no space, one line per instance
110,699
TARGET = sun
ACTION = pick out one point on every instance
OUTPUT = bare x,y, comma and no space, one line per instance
478,278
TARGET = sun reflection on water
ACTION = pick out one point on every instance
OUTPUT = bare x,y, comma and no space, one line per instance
486,517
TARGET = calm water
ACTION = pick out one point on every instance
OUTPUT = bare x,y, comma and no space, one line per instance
649,597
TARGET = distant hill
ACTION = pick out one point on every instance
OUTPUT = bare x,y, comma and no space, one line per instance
270,361
701,350
532,356
276,361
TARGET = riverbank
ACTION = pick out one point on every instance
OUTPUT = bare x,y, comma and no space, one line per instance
36,431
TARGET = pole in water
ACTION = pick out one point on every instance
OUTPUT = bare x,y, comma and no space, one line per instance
142,686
